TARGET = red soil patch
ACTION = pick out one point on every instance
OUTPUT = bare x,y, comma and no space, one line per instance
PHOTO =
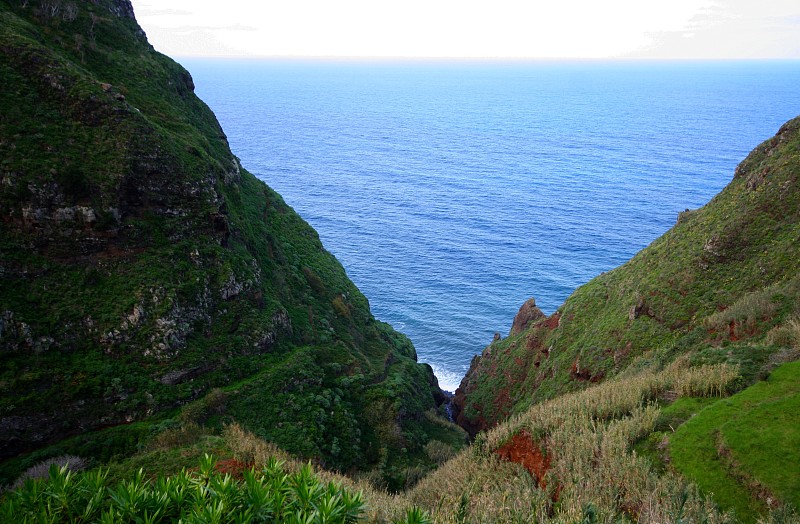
732,331
552,321
583,374
233,467
521,449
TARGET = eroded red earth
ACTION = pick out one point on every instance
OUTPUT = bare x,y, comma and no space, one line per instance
523,450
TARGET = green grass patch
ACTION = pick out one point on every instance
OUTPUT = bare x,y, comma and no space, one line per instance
760,429
680,411
764,439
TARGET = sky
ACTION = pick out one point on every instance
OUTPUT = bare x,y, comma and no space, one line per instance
533,29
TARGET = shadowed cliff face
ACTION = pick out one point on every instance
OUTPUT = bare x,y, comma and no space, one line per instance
142,266
721,285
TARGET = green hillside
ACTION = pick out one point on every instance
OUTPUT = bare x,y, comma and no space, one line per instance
721,286
148,281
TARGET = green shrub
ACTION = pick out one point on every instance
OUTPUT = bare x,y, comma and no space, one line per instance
271,495
439,452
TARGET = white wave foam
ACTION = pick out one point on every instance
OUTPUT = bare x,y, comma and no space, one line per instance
448,380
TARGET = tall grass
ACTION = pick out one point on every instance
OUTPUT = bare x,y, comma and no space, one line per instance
617,398
588,437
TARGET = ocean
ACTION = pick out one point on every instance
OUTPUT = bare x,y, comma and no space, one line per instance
452,191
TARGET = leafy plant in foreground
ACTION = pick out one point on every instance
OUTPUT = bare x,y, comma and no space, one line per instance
202,496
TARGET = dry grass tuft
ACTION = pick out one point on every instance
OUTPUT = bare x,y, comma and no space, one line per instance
743,315
42,469
587,437
787,334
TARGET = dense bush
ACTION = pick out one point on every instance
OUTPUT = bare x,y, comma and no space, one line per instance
270,495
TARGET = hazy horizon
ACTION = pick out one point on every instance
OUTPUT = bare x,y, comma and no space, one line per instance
479,59
447,29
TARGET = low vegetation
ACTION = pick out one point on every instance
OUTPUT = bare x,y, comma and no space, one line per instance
571,459
746,449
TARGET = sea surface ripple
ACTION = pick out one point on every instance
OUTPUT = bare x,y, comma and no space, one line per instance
453,191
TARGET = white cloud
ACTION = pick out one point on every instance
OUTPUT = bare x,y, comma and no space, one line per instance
474,28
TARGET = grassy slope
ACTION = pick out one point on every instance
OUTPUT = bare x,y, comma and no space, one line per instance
714,286
142,268
746,444
588,470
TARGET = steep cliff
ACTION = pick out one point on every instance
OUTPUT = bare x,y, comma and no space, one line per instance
141,266
721,286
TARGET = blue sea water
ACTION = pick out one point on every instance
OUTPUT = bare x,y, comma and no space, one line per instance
453,191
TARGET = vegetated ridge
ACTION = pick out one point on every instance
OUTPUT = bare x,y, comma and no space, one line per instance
722,287
149,282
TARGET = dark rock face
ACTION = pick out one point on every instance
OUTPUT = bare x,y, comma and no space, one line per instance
472,426
476,422
527,313
122,9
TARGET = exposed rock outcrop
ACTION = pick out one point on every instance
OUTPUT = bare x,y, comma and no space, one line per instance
527,313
